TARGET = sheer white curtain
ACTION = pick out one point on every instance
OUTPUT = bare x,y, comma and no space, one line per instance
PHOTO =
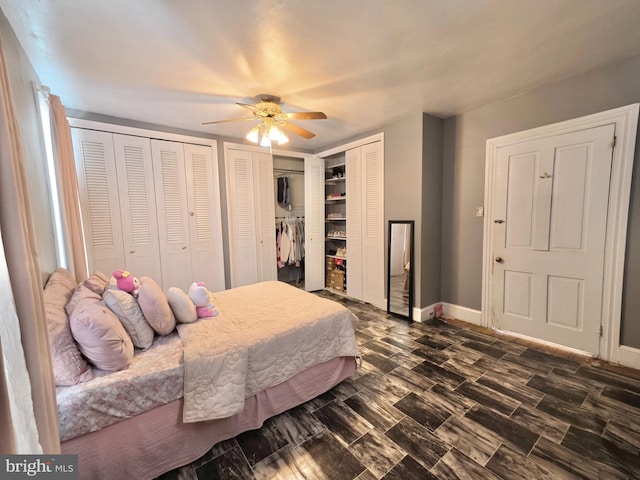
27,387
67,181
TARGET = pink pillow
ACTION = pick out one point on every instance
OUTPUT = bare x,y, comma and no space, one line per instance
155,307
80,294
96,282
69,368
100,336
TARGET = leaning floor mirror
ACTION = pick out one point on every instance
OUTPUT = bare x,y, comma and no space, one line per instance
400,269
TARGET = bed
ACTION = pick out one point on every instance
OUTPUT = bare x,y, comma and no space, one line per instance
164,410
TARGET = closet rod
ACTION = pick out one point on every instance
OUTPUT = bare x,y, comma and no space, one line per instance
286,170
290,218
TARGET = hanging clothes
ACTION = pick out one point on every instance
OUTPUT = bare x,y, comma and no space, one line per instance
290,242
284,192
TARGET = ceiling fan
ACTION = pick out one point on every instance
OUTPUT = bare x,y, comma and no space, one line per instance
272,119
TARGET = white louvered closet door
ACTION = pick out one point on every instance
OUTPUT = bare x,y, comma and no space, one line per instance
241,213
372,223
137,206
314,191
99,199
353,173
173,213
265,216
205,232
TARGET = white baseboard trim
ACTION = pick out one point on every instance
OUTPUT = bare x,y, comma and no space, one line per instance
629,356
423,314
465,314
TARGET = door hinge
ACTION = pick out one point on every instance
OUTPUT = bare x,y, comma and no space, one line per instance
601,330
613,142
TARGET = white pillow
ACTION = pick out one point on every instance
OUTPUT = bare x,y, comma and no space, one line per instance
155,307
126,308
182,306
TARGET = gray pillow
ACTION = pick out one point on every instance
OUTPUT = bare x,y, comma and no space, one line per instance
126,308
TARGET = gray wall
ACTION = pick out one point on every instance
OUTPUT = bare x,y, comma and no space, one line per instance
403,183
465,139
432,143
21,77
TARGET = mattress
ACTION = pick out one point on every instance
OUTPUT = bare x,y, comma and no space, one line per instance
278,331
157,441
155,377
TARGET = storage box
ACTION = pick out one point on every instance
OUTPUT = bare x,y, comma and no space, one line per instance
338,280
331,278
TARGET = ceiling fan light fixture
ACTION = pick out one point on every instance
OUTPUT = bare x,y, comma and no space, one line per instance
275,134
265,141
253,135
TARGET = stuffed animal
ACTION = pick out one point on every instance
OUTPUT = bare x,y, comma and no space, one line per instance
126,282
199,295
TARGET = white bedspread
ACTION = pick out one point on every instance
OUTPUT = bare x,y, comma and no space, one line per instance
265,334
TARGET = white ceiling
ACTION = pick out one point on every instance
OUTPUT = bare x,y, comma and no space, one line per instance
362,62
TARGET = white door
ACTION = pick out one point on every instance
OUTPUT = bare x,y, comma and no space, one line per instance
241,214
205,232
372,224
353,173
314,223
99,199
265,216
138,206
550,216
173,220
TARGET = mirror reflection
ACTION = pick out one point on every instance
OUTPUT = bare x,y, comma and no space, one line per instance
399,269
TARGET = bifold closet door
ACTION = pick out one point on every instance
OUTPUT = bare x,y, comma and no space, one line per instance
251,208
205,224
99,199
353,173
372,191
189,228
137,206
314,194
173,213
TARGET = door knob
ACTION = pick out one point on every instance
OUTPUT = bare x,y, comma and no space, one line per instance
499,259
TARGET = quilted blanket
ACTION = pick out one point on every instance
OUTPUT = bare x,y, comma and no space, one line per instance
265,334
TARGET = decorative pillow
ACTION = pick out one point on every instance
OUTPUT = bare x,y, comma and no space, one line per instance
181,305
155,307
126,308
80,294
100,336
96,282
69,368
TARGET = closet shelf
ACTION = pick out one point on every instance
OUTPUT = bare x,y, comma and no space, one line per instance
337,238
330,181
336,199
335,256
336,219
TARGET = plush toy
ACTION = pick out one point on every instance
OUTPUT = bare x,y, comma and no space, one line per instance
199,295
126,282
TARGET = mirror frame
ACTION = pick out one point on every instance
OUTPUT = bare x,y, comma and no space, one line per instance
409,315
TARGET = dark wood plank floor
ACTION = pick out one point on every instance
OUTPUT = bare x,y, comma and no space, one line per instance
437,400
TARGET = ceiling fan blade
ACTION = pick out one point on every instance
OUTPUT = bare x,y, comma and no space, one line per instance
248,106
230,120
297,130
306,115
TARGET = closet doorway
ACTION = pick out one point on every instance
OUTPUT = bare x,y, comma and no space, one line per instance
255,214
289,184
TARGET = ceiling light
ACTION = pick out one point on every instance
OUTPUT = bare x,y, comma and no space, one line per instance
253,135
266,133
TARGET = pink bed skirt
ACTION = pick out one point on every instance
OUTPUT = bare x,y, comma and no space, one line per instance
157,441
